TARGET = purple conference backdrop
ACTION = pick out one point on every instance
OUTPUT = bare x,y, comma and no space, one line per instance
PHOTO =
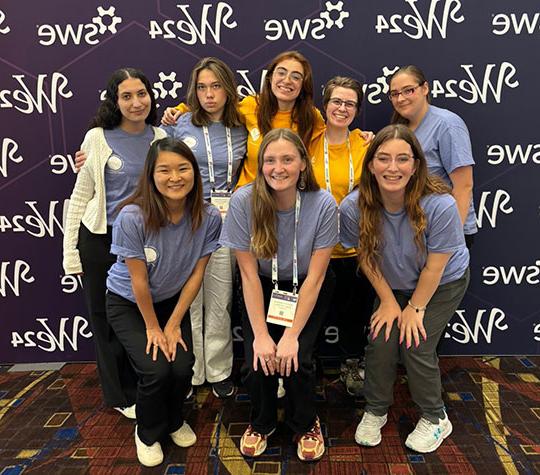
481,57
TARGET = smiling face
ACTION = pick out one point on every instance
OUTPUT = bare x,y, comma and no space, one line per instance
341,107
286,82
282,164
173,177
211,94
133,101
393,165
414,105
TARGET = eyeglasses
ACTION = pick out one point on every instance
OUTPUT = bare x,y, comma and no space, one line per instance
406,92
282,73
402,159
337,102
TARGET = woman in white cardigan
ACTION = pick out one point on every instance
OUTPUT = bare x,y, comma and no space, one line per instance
115,146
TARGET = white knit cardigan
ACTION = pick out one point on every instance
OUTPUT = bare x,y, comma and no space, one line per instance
87,202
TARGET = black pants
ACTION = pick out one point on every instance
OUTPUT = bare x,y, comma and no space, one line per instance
300,386
162,386
117,377
351,306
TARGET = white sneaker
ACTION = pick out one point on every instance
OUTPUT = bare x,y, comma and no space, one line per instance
280,389
128,412
368,432
184,437
427,437
148,455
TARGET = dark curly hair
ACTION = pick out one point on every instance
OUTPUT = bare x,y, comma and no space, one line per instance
108,115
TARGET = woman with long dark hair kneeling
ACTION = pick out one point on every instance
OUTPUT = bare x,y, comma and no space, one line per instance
163,238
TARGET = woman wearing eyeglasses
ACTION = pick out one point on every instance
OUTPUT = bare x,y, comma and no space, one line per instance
337,157
444,138
409,236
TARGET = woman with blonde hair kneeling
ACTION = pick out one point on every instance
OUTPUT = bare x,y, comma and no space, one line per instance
282,228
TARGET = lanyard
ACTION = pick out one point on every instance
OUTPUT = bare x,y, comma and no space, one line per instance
295,250
327,166
210,157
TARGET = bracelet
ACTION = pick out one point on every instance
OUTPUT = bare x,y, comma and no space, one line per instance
417,309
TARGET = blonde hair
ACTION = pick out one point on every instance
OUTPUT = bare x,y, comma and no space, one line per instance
264,243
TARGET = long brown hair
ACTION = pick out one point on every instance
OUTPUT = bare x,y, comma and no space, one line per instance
264,243
302,113
225,76
370,200
150,200
417,74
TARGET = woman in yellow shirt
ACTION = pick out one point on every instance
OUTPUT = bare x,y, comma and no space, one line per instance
337,157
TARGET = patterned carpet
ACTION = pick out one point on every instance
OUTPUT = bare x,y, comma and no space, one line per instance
54,422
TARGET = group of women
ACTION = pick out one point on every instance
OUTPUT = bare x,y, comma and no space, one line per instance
259,181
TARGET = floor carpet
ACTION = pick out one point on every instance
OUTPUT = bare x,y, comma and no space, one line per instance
54,422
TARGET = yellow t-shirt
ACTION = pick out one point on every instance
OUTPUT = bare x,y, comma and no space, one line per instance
248,111
338,163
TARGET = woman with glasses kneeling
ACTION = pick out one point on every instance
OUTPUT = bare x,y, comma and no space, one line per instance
163,238
408,231
283,228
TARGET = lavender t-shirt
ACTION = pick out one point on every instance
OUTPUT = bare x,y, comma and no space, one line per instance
317,229
401,263
124,166
193,137
170,255
445,140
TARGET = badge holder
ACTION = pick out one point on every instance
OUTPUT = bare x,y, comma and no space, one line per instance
282,308
221,199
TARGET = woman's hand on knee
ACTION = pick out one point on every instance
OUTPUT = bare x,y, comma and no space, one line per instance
412,327
173,334
287,354
155,341
264,353
384,315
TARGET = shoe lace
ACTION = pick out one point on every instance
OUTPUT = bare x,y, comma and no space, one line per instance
355,374
371,420
313,433
424,427
250,432
353,370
